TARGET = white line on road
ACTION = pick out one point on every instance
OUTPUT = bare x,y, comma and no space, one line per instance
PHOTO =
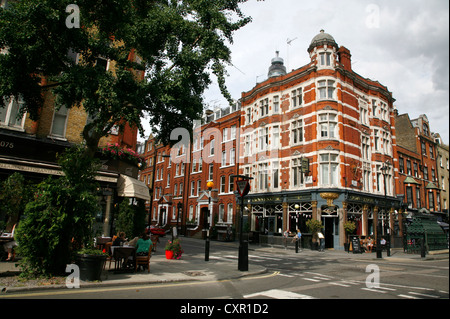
409,297
279,294
374,290
339,284
424,295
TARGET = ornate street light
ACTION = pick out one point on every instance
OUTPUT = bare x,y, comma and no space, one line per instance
209,185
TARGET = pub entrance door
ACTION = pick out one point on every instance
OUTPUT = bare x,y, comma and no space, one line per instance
329,227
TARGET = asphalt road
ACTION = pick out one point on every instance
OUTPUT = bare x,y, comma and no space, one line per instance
306,275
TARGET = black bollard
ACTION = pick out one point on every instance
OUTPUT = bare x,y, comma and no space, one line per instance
422,248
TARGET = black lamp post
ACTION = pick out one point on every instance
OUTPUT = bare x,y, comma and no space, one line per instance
385,170
179,208
210,185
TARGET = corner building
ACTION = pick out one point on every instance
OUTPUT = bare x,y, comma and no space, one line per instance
319,142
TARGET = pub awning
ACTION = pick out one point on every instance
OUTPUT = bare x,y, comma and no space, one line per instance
131,187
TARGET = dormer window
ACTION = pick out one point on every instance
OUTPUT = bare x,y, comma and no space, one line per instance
325,58
425,130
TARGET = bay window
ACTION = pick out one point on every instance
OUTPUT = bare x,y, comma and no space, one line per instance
327,125
328,169
326,89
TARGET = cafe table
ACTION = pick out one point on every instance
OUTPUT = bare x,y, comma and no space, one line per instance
122,254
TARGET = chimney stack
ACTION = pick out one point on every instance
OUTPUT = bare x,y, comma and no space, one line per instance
345,58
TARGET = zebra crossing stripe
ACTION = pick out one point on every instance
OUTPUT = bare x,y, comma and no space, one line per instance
279,294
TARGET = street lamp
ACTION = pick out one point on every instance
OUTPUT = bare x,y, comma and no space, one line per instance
385,171
179,207
209,185
296,206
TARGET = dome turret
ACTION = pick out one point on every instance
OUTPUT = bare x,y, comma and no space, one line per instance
321,39
277,68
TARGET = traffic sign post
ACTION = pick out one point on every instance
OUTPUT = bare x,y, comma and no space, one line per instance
243,188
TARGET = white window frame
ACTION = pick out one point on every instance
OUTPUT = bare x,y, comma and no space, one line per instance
297,132
326,89
330,176
297,97
12,108
324,126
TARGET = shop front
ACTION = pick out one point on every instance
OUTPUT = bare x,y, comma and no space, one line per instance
271,214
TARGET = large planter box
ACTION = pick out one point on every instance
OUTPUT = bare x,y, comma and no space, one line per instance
91,266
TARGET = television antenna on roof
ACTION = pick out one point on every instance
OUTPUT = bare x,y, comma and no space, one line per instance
288,43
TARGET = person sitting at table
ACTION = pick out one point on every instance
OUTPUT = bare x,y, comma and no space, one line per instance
120,239
132,242
143,245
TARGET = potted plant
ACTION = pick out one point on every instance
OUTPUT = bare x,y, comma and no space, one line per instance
349,227
314,227
91,262
173,249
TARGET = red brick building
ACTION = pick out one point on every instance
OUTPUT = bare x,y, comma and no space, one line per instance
417,157
316,141
180,174
31,147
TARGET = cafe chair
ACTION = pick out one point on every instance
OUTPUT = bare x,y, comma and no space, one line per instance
154,242
110,255
143,260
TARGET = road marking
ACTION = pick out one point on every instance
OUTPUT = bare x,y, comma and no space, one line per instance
143,287
311,279
409,297
374,290
339,284
321,278
279,294
385,288
424,295
285,275
316,274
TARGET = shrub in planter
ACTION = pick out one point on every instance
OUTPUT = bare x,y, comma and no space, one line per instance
91,262
60,218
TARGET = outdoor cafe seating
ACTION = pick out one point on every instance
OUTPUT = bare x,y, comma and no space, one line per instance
124,257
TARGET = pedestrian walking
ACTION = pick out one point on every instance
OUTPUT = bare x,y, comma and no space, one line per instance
321,241
285,238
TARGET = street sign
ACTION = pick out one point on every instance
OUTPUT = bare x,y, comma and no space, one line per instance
243,187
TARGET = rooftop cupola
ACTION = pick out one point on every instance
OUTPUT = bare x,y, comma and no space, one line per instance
277,68
322,39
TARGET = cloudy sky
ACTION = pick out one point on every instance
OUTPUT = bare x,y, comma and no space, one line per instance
403,44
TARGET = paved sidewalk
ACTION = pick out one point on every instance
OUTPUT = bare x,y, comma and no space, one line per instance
194,268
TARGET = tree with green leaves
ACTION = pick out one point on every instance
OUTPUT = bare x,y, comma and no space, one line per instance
15,193
59,220
179,44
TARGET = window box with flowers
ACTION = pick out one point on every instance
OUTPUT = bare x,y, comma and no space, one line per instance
120,159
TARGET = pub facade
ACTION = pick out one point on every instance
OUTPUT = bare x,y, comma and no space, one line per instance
319,142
